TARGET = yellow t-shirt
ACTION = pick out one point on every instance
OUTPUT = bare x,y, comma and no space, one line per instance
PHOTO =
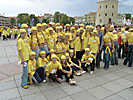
115,36
51,39
59,47
5,33
31,65
85,57
66,47
52,66
34,41
129,37
72,36
41,38
78,44
41,62
107,38
94,44
86,39
25,50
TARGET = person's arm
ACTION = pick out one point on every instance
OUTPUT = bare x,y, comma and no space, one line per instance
22,59
101,41
82,45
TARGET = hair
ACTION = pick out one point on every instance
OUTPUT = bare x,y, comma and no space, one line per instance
64,63
98,26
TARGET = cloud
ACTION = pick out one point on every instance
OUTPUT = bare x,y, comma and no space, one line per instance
128,3
70,7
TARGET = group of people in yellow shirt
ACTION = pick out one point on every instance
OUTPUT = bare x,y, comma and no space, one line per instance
9,32
60,53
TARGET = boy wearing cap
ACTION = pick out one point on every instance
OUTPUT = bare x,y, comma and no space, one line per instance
54,69
87,60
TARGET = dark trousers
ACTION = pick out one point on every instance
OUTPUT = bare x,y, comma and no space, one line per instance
98,58
78,55
4,37
36,78
114,55
41,73
53,76
129,56
66,75
121,49
92,66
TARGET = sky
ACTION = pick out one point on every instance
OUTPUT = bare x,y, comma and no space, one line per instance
69,7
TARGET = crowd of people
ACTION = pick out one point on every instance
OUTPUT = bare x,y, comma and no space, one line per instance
58,53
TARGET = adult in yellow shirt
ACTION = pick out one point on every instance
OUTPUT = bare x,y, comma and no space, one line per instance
87,60
23,56
129,56
54,69
108,46
114,55
72,37
34,42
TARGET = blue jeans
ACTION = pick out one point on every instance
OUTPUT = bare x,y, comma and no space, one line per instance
106,57
24,75
37,53
45,48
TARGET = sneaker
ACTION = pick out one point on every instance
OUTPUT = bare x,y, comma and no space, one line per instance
91,72
78,74
44,81
83,72
25,87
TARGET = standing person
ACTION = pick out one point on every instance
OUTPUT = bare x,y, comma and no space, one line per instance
122,44
129,56
77,45
94,44
23,56
108,46
54,70
5,33
87,60
114,57
60,47
67,71
100,35
72,37
34,42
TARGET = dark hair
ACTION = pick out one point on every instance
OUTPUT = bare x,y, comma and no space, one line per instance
98,26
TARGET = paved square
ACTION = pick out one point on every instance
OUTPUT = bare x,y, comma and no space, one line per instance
113,84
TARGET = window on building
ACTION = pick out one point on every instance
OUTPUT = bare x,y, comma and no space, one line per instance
112,6
106,6
105,14
100,7
100,20
112,14
99,15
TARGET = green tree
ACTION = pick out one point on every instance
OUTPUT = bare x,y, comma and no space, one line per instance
23,18
45,20
128,16
12,21
71,19
65,20
57,17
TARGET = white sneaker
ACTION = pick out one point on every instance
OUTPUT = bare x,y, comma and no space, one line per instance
44,81
91,72
83,72
78,74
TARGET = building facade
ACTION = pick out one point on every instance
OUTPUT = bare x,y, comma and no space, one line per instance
4,21
90,18
107,12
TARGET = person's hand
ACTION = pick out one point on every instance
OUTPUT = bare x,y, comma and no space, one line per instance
88,61
34,69
22,62
31,83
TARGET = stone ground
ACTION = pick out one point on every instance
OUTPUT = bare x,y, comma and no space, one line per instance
113,84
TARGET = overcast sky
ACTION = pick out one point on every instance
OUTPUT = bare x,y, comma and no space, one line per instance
70,7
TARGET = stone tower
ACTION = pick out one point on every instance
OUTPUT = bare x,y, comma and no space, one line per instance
107,12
